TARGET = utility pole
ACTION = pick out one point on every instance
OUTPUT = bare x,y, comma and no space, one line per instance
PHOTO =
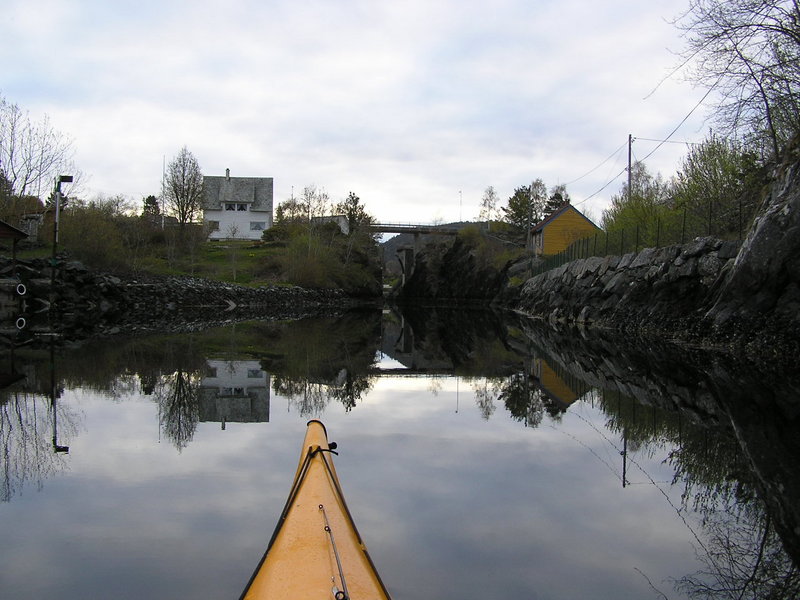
530,218
163,188
630,144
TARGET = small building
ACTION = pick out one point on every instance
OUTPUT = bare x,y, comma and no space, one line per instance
9,232
560,229
237,207
340,220
32,224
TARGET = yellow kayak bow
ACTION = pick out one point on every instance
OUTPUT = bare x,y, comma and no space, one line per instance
316,551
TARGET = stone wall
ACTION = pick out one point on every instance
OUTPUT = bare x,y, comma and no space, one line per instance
656,285
84,302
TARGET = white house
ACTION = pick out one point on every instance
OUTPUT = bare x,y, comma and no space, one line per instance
237,207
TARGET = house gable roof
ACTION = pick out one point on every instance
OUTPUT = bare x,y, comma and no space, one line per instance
556,214
256,191
9,232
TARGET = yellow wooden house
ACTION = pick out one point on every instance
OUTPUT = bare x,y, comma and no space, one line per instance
561,228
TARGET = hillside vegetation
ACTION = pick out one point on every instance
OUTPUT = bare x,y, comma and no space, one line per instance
103,235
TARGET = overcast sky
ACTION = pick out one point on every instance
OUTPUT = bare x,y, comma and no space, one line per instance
416,106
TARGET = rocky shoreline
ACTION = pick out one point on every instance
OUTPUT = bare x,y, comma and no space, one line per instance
79,302
706,293
744,298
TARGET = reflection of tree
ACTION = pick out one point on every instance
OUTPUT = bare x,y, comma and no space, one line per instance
310,399
485,396
350,388
486,391
741,553
178,396
523,400
743,558
26,450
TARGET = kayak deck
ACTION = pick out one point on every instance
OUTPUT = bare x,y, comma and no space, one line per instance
316,551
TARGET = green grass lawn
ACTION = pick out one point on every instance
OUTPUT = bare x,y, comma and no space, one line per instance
240,261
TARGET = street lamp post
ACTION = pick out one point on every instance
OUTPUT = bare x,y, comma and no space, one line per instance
59,180
57,199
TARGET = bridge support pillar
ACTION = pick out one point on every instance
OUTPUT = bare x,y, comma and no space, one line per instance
406,258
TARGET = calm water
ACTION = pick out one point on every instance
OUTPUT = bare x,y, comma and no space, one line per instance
480,458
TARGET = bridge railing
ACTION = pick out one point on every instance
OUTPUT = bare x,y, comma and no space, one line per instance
413,228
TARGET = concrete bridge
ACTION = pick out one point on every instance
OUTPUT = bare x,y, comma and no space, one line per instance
406,255
415,228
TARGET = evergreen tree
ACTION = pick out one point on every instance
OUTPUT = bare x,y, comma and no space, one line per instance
526,206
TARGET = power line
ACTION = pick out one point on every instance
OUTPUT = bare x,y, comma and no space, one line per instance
660,142
686,118
598,166
670,141
608,183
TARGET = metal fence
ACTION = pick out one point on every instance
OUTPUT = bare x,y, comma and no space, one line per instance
656,234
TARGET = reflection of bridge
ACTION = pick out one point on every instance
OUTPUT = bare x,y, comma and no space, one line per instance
410,372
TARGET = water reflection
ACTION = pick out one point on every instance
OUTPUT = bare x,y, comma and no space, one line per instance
728,431
31,418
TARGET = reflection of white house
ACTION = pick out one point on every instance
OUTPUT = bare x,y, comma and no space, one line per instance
237,207
234,391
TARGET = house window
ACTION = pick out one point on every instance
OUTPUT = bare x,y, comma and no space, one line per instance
258,225
241,207
230,206
254,373
213,225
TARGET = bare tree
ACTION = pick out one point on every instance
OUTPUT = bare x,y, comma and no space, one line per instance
749,52
31,154
183,187
316,200
488,205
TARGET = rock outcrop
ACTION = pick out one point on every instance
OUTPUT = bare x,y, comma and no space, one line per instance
762,288
456,273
